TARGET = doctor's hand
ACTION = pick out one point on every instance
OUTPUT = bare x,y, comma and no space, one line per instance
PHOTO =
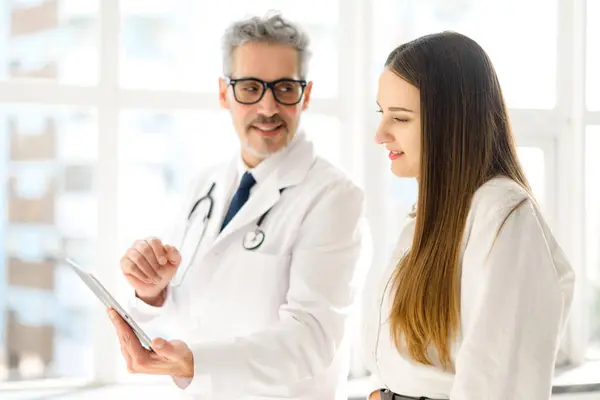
173,358
375,395
149,265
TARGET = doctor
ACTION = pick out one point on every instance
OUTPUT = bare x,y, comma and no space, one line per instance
261,274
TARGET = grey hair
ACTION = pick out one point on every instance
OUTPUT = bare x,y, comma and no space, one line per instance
273,29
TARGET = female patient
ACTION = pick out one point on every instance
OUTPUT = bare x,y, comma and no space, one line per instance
476,298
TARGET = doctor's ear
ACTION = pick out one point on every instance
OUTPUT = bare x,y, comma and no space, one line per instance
307,94
223,93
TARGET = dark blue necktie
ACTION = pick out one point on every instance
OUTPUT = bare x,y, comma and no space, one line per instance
239,198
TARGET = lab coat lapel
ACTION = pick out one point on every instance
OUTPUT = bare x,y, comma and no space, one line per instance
223,179
225,183
290,170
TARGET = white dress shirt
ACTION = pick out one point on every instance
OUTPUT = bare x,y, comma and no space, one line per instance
261,172
516,294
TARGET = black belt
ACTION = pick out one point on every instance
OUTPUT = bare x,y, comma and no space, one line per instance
387,394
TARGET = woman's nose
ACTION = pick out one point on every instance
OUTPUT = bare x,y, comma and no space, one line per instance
382,137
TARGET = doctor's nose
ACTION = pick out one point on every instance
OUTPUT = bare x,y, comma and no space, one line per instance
268,106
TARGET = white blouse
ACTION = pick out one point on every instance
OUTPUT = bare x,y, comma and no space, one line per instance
516,294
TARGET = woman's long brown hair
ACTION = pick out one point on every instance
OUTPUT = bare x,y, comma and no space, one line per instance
465,140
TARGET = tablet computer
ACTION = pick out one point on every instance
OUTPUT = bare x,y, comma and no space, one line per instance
107,299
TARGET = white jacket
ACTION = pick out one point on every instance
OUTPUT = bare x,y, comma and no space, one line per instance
271,323
516,295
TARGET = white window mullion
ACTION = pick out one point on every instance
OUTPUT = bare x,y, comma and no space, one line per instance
547,144
359,150
592,118
167,100
349,79
105,348
41,92
542,123
570,106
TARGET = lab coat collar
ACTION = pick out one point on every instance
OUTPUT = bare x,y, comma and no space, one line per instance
282,170
263,169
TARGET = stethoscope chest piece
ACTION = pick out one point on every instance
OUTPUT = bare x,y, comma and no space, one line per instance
253,239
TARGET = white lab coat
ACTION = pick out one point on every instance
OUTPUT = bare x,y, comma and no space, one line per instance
516,294
271,323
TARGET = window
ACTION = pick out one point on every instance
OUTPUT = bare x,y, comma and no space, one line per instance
593,55
528,83
592,234
49,40
325,132
164,47
49,203
533,162
114,170
160,152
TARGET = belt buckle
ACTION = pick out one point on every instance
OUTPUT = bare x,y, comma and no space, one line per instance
389,395
386,394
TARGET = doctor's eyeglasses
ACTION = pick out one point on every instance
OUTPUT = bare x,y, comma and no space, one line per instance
251,90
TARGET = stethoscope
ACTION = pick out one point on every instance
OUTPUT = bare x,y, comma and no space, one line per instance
251,241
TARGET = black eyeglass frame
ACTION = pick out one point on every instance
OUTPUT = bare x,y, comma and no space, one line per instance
267,85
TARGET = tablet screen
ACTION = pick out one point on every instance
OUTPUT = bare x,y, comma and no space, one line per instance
108,300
